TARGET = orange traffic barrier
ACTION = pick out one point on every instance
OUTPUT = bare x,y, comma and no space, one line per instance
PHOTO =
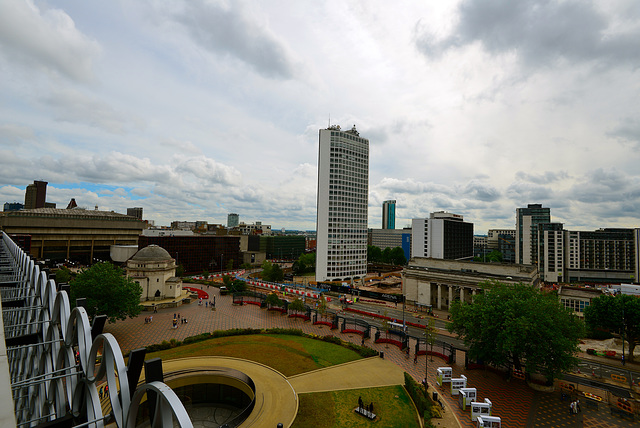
618,378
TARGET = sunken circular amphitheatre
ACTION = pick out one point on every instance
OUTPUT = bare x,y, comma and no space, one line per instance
227,391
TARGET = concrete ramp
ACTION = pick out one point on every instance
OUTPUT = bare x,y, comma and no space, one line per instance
365,373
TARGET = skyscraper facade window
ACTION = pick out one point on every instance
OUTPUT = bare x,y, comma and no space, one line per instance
343,191
527,220
233,220
389,215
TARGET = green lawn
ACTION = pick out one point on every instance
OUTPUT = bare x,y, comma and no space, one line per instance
391,404
290,355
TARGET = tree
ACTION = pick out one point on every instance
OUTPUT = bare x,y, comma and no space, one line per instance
230,264
495,256
374,254
108,292
322,306
397,257
519,325
273,300
619,314
179,271
297,305
266,270
277,275
237,286
63,275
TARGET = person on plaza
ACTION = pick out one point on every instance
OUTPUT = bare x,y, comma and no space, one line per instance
206,304
100,393
415,359
151,318
155,309
578,409
360,403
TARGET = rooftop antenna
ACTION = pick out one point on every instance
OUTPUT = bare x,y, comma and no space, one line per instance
329,120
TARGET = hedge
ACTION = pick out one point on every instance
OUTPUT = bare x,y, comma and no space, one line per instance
417,393
363,351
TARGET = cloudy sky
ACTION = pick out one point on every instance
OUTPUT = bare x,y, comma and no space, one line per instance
199,108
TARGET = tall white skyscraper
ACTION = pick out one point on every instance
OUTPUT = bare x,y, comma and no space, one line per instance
343,199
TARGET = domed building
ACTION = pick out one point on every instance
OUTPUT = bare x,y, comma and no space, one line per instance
155,270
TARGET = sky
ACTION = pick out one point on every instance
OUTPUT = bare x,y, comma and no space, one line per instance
196,109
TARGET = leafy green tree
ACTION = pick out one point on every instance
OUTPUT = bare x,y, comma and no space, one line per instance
108,292
273,300
494,256
238,286
374,254
322,306
246,266
619,314
277,275
230,264
63,275
297,305
519,325
205,274
305,263
266,270
179,271
226,280
397,257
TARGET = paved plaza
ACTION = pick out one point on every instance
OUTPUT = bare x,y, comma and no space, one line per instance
516,403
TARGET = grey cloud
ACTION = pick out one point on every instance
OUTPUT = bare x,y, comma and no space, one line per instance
410,186
539,32
524,193
544,178
601,185
482,191
628,131
228,30
11,134
73,106
46,39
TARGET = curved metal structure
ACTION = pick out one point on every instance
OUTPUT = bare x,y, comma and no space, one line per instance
55,367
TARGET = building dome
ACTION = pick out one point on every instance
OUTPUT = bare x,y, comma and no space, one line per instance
152,253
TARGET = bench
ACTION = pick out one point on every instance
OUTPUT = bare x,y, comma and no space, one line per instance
364,412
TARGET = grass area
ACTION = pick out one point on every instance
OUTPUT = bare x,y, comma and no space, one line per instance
290,355
335,409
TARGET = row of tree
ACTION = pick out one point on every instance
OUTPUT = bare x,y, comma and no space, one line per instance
393,256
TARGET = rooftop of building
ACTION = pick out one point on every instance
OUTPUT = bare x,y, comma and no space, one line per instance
152,253
74,212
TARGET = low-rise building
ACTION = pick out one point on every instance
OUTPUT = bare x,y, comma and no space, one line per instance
155,271
437,282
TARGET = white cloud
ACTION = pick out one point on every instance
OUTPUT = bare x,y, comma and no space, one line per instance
47,39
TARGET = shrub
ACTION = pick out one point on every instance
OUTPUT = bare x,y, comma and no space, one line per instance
416,391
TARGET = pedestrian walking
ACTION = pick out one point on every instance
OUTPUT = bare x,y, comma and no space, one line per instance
100,392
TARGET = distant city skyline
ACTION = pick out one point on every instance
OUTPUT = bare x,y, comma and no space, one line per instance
469,107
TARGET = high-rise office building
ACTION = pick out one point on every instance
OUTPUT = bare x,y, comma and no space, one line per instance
343,191
35,195
135,212
527,220
442,236
389,215
551,252
233,220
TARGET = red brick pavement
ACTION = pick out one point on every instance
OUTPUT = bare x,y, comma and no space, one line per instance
514,402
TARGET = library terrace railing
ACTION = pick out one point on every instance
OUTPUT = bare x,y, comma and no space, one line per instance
55,360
